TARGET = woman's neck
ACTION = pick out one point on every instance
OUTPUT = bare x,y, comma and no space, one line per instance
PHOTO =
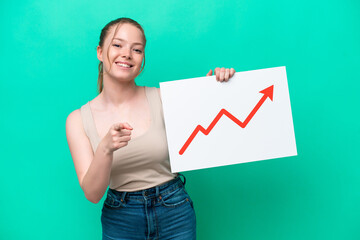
115,93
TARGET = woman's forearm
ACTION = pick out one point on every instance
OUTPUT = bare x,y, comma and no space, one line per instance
97,177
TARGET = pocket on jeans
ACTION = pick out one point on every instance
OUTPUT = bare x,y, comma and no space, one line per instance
112,201
176,198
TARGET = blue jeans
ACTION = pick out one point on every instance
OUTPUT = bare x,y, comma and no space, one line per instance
162,212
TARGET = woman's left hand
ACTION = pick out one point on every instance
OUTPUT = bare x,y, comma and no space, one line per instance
222,74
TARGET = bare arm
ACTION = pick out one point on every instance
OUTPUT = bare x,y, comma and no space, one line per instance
93,169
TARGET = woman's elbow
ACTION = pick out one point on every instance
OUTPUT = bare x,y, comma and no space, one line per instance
95,201
92,198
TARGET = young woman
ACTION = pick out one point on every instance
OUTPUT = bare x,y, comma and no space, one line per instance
118,140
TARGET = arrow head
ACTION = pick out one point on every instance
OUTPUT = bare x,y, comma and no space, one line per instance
268,92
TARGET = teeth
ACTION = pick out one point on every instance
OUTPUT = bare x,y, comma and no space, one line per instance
123,65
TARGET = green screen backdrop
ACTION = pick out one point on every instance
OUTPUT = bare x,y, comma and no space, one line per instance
49,68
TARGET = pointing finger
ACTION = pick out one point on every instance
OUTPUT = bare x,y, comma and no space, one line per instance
127,126
119,126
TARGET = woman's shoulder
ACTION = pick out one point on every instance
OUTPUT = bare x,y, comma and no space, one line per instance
74,117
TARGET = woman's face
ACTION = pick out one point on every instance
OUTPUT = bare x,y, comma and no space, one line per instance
122,56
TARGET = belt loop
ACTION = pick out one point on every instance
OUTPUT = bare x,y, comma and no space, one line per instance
183,177
157,191
123,195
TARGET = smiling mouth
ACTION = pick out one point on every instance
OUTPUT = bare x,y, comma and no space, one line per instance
124,65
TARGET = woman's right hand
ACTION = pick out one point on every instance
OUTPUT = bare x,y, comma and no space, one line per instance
117,137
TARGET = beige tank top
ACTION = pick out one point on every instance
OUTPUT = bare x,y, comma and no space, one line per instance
144,162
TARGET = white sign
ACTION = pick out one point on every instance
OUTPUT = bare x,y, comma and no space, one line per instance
210,123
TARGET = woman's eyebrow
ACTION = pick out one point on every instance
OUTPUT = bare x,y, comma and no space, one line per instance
135,43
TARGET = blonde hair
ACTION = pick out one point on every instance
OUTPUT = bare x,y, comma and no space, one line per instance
104,33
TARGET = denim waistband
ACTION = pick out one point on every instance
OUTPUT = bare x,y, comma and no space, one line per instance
154,191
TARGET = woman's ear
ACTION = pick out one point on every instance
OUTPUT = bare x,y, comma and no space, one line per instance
99,53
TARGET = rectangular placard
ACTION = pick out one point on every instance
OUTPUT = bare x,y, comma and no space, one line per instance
210,123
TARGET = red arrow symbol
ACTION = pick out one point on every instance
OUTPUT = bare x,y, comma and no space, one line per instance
268,93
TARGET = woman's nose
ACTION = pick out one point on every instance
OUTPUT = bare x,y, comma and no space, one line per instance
126,52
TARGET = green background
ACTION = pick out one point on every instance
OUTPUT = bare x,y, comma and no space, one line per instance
49,68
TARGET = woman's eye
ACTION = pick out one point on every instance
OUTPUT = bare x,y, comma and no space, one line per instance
116,45
138,50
